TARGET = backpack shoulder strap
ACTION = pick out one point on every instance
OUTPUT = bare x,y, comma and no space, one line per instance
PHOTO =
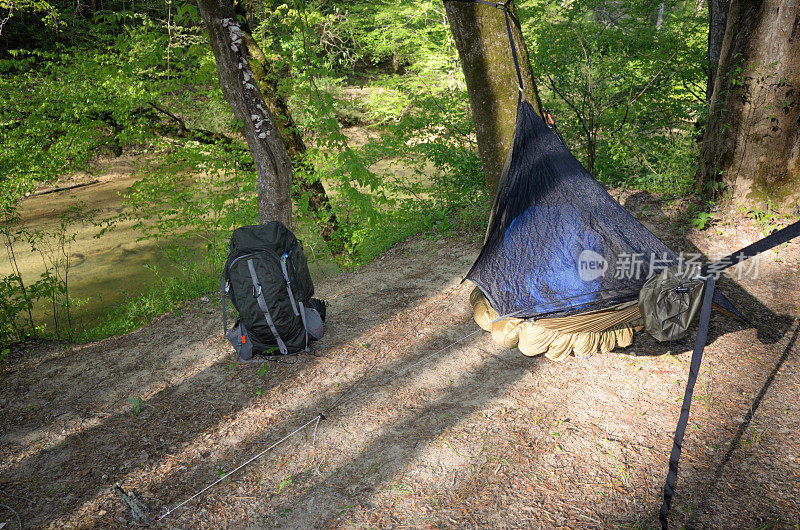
264,309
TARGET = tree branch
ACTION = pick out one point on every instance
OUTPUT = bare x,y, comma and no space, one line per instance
572,106
171,115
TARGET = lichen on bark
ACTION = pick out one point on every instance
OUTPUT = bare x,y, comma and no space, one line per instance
273,166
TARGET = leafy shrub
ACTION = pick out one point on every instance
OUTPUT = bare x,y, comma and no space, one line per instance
626,84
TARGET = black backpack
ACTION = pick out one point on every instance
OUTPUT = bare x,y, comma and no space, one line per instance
266,276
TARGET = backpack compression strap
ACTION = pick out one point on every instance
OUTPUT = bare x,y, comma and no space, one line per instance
263,305
297,311
223,290
289,284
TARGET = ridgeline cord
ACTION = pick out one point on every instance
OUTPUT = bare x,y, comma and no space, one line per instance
316,419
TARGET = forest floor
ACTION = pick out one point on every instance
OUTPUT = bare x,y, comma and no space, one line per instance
435,426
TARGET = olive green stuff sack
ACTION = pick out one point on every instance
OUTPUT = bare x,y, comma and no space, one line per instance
670,301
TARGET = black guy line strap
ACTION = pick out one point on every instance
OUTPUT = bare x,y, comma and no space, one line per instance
710,273
694,369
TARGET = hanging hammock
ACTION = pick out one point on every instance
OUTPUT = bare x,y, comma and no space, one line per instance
563,263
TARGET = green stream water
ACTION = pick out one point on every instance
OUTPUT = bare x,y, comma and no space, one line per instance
104,270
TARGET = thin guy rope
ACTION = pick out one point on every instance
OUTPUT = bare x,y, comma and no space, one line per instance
314,447
316,419
12,510
226,475
338,403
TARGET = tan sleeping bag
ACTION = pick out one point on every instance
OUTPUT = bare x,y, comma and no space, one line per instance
583,335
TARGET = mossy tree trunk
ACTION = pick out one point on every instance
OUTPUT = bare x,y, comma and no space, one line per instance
752,137
273,166
482,41
304,173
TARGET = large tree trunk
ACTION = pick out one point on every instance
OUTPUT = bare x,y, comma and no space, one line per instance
717,20
482,42
752,139
273,166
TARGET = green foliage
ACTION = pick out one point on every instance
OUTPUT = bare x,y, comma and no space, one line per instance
168,293
63,107
66,105
282,512
424,166
18,298
263,370
701,220
767,217
189,198
46,11
346,36
414,177
202,190
136,403
285,483
13,308
433,172
412,36
626,91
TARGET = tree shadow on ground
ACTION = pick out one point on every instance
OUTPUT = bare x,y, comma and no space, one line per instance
791,348
74,469
396,446
72,472
412,422
735,367
191,388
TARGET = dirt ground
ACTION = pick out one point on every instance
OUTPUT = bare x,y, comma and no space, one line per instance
428,423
